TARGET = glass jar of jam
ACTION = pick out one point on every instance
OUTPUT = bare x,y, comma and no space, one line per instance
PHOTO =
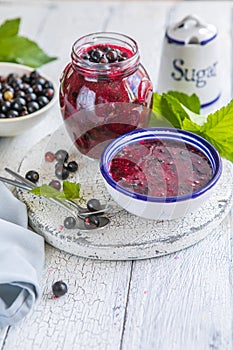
104,92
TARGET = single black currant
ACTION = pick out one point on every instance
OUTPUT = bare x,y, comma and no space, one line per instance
61,172
32,176
5,106
49,156
42,101
32,106
38,81
26,78
72,166
55,184
27,89
59,288
91,221
58,165
34,74
69,222
23,112
17,84
48,84
95,55
37,88
30,97
18,103
20,93
112,56
49,92
93,204
61,156
11,77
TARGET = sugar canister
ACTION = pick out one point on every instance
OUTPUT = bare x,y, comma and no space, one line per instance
190,60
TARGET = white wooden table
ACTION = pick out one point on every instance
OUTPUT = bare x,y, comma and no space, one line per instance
182,301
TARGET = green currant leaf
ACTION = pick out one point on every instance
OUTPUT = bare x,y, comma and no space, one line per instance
181,111
9,28
191,102
47,191
71,190
21,50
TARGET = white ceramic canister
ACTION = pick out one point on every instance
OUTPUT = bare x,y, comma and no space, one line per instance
190,60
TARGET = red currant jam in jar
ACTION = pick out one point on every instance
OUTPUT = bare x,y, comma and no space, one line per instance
104,91
161,168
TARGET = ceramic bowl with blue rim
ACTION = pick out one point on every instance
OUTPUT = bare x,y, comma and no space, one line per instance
160,173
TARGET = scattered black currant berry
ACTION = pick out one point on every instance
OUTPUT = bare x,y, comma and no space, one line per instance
69,222
49,156
58,165
55,184
59,288
93,204
61,172
91,221
32,176
72,166
61,156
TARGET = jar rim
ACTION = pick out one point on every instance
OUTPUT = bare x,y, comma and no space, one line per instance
107,38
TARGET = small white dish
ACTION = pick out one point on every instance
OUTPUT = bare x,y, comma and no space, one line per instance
18,125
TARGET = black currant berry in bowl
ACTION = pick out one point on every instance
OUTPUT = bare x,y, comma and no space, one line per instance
160,173
26,96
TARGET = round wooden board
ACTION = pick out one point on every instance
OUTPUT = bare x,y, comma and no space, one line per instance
127,237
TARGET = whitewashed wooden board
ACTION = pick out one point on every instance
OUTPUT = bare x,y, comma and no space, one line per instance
127,237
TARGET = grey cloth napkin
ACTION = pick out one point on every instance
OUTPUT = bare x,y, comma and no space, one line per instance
21,260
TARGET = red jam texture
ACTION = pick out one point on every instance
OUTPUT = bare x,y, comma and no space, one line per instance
98,109
161,168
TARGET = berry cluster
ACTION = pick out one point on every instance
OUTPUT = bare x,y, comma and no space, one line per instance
90,220
20,96
63,167
105,54
62,171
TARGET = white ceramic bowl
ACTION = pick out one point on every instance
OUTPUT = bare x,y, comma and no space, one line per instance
160,208
18,125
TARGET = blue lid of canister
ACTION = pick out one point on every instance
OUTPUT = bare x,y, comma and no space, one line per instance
191,30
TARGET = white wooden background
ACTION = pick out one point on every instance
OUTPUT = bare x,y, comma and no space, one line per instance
178,302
